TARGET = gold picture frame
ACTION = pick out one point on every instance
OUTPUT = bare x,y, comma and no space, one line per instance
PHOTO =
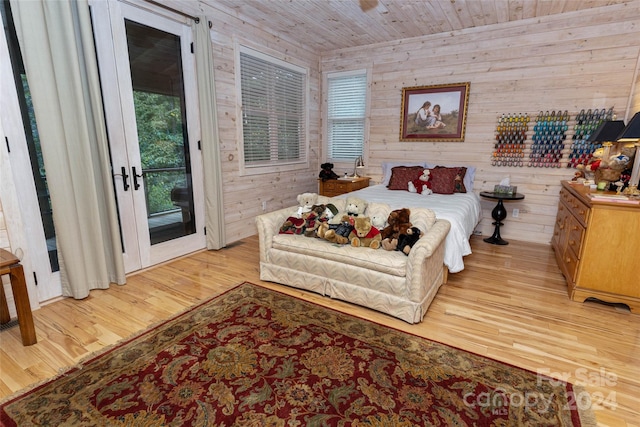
434,113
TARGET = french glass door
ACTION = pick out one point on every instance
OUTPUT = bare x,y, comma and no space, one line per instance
148,79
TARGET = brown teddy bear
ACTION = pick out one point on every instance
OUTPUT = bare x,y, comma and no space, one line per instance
313,219
398,221
336,233
391,243
364,233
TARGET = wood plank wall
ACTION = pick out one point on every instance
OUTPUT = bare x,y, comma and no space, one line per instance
243,195
586,59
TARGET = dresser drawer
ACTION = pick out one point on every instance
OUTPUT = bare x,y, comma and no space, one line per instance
575,206
570,262
576,234
559,234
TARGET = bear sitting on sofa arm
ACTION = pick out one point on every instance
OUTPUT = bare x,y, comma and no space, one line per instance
387,281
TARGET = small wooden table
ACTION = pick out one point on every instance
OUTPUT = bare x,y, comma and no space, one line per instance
499,213
10,265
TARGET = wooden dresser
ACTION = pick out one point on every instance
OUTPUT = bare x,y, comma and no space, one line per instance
335,187
597,246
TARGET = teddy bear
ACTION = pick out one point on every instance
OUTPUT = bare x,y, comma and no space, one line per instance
391,243
336,233
593,164
378,212
330,211
305,202
353,207
364,233
407,239
338,228
398,220
313,219
421,185
327,172
305,221
319,214
293,225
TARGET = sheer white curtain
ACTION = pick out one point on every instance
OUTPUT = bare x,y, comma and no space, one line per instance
214,208
56,41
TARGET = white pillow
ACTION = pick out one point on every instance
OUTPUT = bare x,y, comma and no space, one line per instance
387,166
469,176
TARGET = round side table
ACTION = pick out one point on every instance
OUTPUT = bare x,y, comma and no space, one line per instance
499,213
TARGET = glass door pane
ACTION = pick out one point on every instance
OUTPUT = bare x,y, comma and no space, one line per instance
161,121
147,72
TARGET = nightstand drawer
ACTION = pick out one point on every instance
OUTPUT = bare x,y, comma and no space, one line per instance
336,187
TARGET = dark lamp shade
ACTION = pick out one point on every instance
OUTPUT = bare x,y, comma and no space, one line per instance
608,131
631,133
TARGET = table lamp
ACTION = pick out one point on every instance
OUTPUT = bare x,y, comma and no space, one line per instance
358,164
631,133
606,134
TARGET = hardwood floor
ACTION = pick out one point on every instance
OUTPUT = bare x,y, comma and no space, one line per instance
510,303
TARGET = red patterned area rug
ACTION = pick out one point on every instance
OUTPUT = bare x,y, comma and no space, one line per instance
257,357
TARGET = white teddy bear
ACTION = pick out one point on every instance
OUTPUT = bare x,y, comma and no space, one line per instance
421,185
354,207
378,212
305,201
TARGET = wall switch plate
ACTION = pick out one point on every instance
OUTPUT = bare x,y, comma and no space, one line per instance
516,213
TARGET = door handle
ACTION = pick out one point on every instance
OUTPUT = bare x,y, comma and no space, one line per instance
136,185
125,184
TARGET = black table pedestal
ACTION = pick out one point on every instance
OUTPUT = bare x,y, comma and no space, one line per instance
499,213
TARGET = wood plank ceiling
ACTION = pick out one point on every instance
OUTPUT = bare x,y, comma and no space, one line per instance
325,25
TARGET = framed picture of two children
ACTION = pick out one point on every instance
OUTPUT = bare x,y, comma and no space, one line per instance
434,113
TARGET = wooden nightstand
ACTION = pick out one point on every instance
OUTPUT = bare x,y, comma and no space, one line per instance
335,187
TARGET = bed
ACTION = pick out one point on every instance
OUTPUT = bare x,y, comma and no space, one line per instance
462,209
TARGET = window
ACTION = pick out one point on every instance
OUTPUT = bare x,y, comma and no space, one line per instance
273,113
346,111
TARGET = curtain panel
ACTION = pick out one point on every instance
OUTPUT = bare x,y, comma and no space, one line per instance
214,207
56,41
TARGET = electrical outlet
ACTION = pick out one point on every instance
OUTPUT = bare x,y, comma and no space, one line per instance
516,213
264,206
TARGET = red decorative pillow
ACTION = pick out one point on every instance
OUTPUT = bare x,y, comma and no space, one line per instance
401,175
459,180
443,180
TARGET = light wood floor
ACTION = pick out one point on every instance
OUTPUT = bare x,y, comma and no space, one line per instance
510,304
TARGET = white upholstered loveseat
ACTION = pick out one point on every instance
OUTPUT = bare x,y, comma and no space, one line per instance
388,281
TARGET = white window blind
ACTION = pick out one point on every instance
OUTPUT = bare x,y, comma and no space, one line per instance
346,109
273,111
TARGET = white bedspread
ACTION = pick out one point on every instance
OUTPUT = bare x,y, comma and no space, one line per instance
462,210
